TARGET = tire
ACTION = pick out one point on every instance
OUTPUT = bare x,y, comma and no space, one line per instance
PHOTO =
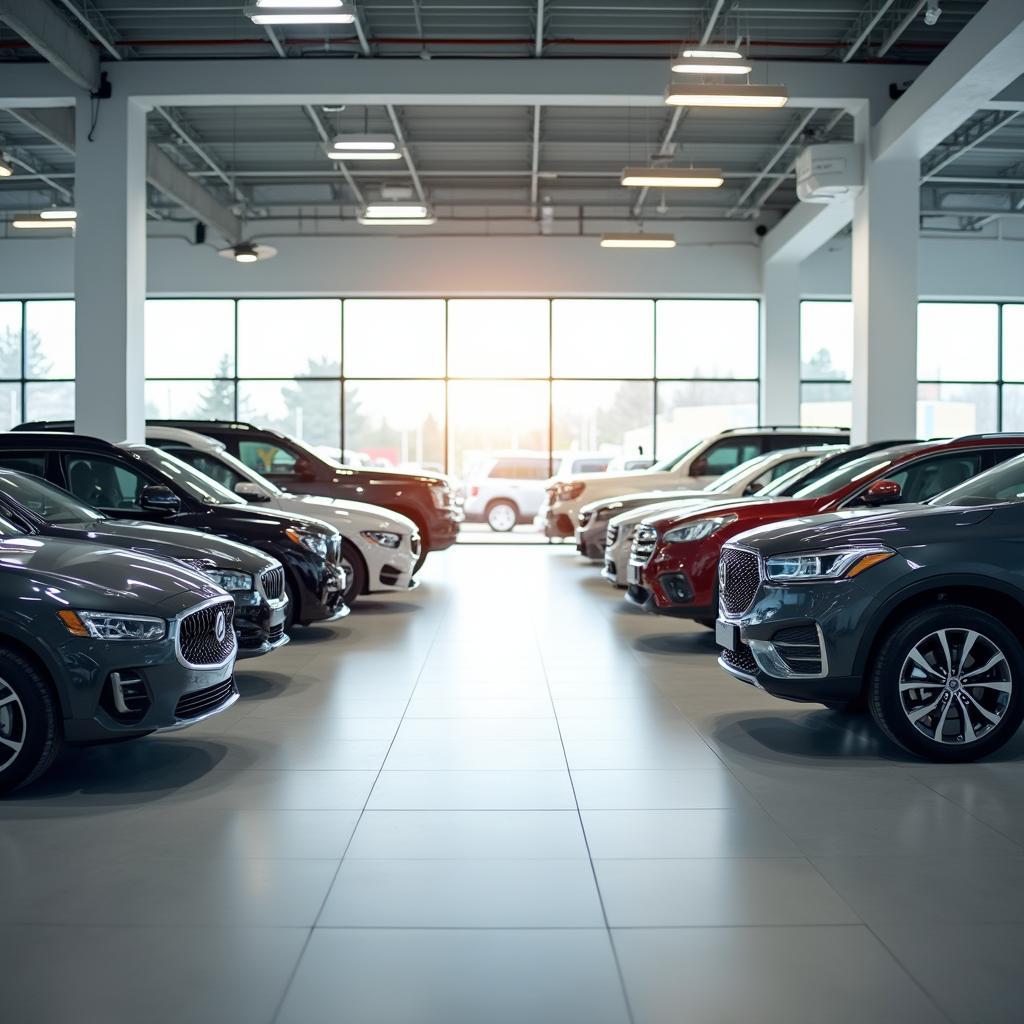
29,716
947,704
289,615
355,568
502,515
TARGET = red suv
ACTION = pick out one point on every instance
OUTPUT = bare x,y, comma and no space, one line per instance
673,564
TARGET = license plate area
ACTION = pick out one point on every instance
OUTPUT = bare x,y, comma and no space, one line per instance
633,575
727,635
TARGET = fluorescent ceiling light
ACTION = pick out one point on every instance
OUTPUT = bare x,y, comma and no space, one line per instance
363,147
714,54
672,177
345,154
637,240
27,221
680,95
58,214
6,169
299,3
397,213
710,66
294,12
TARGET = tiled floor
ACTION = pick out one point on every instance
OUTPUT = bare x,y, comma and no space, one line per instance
507,797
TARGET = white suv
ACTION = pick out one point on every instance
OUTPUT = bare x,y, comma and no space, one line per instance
507,488
693,468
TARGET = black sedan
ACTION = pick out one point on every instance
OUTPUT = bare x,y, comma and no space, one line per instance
253,579
142,483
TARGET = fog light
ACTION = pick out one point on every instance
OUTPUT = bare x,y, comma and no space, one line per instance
677,588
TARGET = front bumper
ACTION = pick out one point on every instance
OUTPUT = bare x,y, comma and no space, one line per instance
443,528
259,624
590,541
392,568
555,522
325,603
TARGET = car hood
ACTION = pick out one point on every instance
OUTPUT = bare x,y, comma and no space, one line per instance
346,516
243,515
395,476
672,506
895,528
695,510
161,541
634,500
99,577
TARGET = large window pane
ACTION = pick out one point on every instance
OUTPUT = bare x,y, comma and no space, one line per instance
489,418
190,399
396,423
614,417
50,400
289,338
498,337
957,341
394,337
10,339
10,405
688,412
307,409
1013,407
1013,342
50,337
826,405
826,340
190,338
707,338
602,338
949,410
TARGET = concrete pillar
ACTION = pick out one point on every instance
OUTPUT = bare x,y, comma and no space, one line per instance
110,268
885,290
780,343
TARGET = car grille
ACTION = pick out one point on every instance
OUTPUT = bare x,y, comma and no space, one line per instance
274,633
415,545
585,517
739,576
611,535
644,542
334,548
197,635
273,583
192,705
800,648
741,660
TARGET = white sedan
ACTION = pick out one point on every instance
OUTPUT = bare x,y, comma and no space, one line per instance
379,547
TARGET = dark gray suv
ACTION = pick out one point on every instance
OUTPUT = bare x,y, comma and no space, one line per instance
917,614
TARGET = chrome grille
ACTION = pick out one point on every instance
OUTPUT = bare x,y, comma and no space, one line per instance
800,648
741,660
739,576
334,548
585,517
611,535
644,542
198,640
273,583
192,705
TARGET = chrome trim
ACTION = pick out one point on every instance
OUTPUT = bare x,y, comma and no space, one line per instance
181,723
718,579
777,667
175,630
743,677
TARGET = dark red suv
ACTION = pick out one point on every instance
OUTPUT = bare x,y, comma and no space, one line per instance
673,566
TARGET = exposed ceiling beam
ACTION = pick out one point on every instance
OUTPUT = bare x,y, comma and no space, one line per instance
964,140
325,137
274,41
55,124
164,174
404,146
864,26
34,173
665,149
364,43
316,175
104,39
55,39
535,158
538,42
709,25
901,26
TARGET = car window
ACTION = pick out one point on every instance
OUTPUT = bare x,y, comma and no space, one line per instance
207,465
590,465
932,475
729,454
267,458
520,469
1004,482
28,462
50,503
103,483
830,477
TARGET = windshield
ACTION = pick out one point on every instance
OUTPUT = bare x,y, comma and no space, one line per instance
727,480
316,453
667,464
793,479
864,468
1002,483
200,487
50,503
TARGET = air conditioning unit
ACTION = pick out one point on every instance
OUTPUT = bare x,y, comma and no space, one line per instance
829,171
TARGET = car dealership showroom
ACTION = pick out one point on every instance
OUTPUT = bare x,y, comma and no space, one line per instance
511,511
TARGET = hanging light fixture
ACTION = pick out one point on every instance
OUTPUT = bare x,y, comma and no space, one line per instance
6,169
680,95
300,12
39,221
712,54
248,252
672,177
363,146
57,214
711,64
397,213
637,240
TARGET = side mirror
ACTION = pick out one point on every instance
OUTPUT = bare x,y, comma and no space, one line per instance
159,498
699,467
304,469
882,492
250,491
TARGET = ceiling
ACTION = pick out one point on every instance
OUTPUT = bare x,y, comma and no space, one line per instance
519,168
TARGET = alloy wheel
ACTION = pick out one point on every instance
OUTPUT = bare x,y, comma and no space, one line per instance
955,686
13,725
501,518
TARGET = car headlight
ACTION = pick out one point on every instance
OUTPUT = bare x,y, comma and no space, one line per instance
383,538
231,580
108,626
439,495
824,565
698,529
566,491
315,542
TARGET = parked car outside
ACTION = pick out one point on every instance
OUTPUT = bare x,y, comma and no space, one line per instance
507,488
673,565
425,498
379,548
696,467
915,613
101,644
126,481
747,478
248,575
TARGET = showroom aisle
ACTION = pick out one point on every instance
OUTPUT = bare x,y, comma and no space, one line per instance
507,797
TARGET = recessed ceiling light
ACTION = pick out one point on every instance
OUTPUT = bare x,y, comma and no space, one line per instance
637,240
672,177
680,95
397,213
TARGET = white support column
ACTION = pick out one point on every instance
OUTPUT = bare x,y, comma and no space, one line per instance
885,290
780,343
110,269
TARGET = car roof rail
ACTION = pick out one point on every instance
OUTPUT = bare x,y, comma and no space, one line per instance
784,426
166,422
995,434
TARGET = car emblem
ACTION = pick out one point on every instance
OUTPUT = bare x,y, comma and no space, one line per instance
220,627
723,572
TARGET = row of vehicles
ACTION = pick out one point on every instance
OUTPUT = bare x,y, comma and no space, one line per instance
884,577
135,575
